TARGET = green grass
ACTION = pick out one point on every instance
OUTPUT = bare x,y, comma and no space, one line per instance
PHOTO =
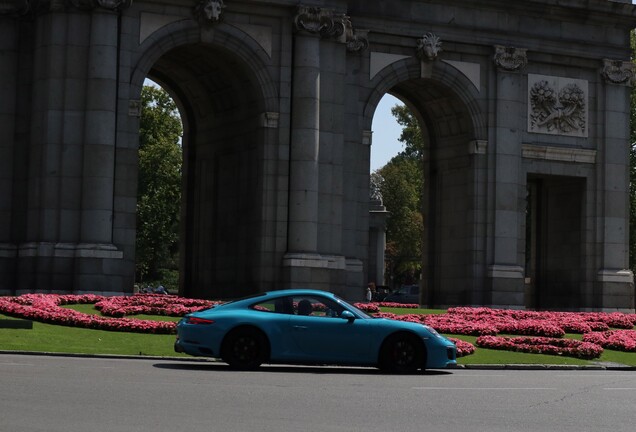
61,339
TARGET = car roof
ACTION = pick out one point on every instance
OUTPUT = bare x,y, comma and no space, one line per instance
298,291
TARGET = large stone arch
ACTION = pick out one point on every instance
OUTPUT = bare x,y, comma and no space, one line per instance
438,73
447,104
220,79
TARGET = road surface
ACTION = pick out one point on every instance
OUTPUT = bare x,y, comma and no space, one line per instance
69,394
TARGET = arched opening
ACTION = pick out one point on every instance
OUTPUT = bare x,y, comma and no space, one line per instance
396,222
451,215
160,162
221,201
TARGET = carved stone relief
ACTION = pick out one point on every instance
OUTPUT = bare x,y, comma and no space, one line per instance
209,11
557,105
618,72
329,24
356,40
320,21
510,59
429,47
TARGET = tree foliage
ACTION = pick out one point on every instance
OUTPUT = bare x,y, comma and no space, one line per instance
400,184
159,182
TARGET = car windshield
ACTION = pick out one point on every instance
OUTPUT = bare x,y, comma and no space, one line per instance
351,307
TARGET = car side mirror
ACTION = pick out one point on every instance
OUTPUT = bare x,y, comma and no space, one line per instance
349,316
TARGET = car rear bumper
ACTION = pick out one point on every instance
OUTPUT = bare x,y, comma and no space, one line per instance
192,348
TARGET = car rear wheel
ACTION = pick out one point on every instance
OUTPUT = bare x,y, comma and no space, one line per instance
402,353
244,349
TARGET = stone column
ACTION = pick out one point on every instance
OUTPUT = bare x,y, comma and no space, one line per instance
305,262
614,275
8,90
305,135
100,130
506,272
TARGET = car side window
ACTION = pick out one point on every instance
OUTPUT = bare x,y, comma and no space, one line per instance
316,307
283,305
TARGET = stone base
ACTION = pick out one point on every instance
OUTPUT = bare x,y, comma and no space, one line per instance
331,273
507,287
617,290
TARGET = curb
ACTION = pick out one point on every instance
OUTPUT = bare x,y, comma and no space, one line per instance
547,367
519,367
110,356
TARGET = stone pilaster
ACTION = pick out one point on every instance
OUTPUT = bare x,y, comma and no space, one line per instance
305,135
99,133
505,272
8,95
615,279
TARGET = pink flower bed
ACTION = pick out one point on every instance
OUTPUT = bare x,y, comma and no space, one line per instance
368,307
47,308
463,348
542,345
397,305
620,340
151,304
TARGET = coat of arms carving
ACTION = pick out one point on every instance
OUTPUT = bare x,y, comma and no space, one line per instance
557,106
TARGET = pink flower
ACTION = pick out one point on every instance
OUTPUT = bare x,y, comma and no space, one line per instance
542,345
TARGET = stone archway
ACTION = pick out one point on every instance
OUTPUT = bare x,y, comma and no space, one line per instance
444,101
227,126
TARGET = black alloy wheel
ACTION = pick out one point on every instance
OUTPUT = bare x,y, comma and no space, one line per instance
402,353
244,349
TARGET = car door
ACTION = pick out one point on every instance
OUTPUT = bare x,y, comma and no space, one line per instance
322,335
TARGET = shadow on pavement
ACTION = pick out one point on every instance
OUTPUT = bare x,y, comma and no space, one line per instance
321,370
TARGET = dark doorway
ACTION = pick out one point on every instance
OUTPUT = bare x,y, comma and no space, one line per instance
554,239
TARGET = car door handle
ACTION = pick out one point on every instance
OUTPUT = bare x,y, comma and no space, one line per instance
298,327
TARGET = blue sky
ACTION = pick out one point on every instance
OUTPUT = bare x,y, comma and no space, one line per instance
386,132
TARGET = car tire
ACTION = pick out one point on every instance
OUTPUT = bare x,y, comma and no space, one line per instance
244,349
402,353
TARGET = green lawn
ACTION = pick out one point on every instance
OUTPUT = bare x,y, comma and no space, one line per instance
61,339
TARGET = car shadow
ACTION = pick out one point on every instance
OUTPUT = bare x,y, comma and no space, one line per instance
287,369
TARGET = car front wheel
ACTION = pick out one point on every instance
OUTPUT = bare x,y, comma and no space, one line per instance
402,353
244,349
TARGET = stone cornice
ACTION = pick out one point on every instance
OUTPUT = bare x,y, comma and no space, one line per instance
559,154
24,7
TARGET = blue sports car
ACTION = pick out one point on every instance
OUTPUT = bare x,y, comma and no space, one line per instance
309,327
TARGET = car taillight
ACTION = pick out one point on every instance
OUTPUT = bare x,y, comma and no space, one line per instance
199,321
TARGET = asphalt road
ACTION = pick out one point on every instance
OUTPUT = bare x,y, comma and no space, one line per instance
66,394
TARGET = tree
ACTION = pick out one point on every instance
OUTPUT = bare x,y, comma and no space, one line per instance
411,134
159,182
400,184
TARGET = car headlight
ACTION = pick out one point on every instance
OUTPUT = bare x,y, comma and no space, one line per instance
432,331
